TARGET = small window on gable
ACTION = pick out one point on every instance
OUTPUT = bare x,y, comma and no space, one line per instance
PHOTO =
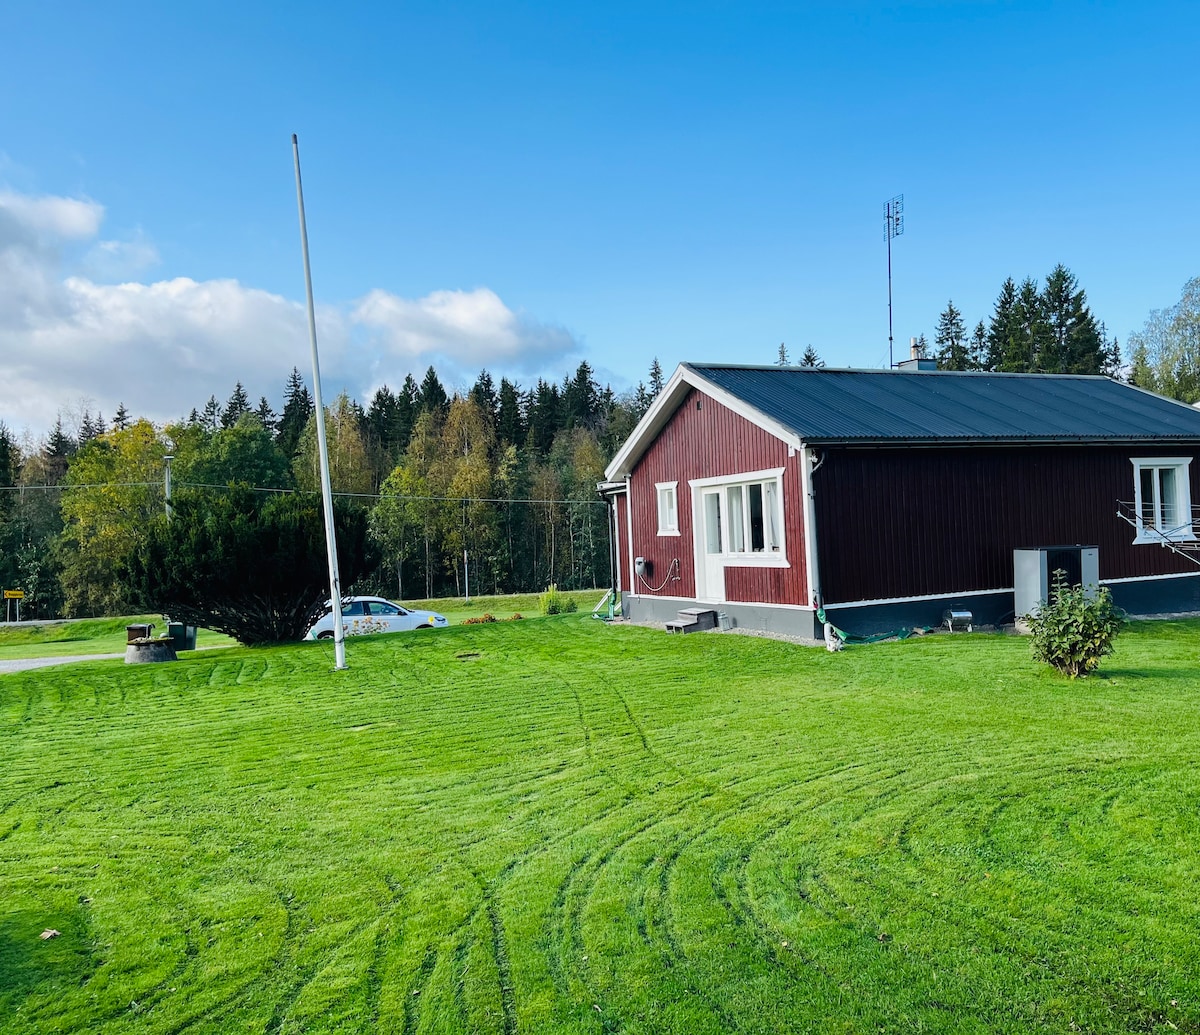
668,508
1162,499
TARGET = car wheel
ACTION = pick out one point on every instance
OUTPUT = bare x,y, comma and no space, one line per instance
325,636
425,626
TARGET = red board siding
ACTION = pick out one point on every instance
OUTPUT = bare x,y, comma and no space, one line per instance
911,522
704,439
624,576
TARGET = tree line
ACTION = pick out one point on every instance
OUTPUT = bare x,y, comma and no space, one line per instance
1031,330
506,474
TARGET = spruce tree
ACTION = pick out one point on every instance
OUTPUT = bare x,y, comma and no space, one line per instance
483,392
238,404
581,399
1076,343
210,417
811,358
950,338
510,425
1004,328
656,379
297,408
433,396
782,359
979,357
266,415
121,421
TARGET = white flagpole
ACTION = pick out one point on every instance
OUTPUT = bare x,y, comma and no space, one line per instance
335,583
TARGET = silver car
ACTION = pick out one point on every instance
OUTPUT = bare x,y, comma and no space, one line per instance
362,615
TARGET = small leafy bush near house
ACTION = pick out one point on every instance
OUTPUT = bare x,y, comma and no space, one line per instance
552,602
515,617
1074,631
481,620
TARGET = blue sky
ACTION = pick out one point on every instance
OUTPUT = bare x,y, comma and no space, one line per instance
523,186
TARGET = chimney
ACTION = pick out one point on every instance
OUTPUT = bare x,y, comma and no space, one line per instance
916,361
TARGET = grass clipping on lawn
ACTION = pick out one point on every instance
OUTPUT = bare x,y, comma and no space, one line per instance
557,825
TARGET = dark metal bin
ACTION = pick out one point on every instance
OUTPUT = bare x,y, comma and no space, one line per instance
183,637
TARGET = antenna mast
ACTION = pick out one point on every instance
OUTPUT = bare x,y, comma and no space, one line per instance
894,213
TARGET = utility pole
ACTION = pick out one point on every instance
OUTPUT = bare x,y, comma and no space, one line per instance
894,213
335,584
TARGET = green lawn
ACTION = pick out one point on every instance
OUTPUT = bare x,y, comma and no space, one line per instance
86,636
562,826
524,604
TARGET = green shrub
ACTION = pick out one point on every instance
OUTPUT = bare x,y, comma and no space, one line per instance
553,602
1076,630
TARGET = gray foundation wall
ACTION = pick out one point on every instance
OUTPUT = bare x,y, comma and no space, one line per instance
1146,597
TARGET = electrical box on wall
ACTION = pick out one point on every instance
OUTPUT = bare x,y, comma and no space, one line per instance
1033,574
642,567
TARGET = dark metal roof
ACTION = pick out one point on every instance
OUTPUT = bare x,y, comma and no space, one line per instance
823,405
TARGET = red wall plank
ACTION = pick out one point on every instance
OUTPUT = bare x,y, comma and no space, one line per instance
897,522
705,439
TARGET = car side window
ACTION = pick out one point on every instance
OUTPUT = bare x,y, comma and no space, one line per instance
380,608
354,607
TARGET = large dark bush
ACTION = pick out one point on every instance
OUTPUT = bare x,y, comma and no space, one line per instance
248,564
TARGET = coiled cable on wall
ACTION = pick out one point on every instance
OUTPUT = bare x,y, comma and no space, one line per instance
672,574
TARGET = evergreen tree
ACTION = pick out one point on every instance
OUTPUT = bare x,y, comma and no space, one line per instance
122,420
581,399
1004,328
210,418
432,396
1075,342
510,424
193,420
483,394
950,338
297,408
978,352
922,346
87,429
543,408
266,415
656,379
782,360
406,412
238,404
60,447
810,358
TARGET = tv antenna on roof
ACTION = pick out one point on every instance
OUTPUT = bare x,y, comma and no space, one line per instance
895,227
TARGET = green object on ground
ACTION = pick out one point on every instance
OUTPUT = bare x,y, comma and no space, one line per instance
564,826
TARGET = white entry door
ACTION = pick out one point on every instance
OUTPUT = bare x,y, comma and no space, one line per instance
712,565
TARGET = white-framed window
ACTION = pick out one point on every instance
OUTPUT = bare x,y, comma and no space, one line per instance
668,507
1162,499
743,517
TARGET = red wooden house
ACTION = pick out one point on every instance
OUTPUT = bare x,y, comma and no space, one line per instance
890,497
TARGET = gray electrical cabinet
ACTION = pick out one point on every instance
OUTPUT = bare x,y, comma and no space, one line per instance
1033,574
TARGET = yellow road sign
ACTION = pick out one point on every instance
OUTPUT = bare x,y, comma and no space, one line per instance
14,594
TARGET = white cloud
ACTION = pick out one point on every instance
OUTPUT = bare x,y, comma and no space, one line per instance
69,218
464,327
163,347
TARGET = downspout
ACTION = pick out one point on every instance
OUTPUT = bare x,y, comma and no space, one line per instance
629,534
808,465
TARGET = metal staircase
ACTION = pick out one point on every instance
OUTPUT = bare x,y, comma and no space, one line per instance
1183,538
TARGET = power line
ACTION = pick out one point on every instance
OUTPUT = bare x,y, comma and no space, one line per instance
301,492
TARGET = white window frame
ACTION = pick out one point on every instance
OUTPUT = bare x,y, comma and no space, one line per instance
661,491
1181,529
748,557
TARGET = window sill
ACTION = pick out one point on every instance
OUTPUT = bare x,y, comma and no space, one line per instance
676,532
750,560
